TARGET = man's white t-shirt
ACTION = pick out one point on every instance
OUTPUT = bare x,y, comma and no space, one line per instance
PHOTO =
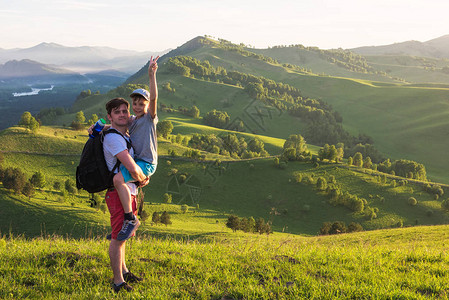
113,144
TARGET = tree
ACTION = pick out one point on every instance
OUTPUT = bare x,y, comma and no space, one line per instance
354,227
167,198
296,141
321,183
14,179
165,218
248,224
79,117
217,118
28,190
57,185
367,163
38,180
93,119
195,112
69,186
156,218
34,125
25,119
164,128
412,201
445,204
357,160
233,222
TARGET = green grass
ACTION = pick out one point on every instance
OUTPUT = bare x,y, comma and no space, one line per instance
406,263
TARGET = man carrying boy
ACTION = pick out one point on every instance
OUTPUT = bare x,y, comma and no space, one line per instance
115,146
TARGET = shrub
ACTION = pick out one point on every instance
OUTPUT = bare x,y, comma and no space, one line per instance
445,204
325,228
354,227
338,227
297,177
167,198
412,201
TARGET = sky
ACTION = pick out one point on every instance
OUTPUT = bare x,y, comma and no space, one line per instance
147,25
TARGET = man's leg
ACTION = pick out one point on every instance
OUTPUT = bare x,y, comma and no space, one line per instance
116,256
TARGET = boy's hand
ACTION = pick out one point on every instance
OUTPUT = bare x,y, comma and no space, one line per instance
152,68
145,182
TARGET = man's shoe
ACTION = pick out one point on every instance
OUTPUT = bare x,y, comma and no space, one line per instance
130,277
122,285
128,228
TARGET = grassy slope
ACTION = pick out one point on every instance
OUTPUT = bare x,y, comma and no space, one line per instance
393,264
246,190
312,60
412,69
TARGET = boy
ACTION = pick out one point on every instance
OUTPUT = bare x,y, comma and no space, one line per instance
142,130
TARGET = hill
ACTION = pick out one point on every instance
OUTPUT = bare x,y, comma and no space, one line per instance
435,48
29,68
81,59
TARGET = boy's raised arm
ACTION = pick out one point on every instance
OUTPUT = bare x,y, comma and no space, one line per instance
152,68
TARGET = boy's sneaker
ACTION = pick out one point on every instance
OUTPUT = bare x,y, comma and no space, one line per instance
128,228
130,277
122,285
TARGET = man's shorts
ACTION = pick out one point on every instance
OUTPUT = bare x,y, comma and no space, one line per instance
116,210
148,169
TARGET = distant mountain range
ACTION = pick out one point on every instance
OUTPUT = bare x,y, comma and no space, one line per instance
435,48
81,59
29,68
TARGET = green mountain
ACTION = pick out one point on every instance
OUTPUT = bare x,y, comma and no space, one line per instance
404,120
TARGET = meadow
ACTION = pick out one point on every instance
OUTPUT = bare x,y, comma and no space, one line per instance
408,263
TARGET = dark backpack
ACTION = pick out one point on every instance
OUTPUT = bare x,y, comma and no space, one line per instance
92,173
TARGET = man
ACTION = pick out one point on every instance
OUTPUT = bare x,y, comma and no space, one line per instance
115,147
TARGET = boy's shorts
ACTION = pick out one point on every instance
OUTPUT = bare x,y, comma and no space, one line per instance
148,169
116,210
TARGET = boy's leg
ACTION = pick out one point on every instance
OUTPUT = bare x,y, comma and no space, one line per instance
123,193
130,223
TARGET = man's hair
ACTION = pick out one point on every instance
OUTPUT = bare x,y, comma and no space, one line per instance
115,103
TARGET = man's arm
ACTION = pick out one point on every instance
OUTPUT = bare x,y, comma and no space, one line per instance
129,163
152,69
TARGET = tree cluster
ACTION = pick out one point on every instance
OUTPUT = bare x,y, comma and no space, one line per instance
228,145
249,225
295,148
163,218
404,168
339,227
332,152
216,118
48,116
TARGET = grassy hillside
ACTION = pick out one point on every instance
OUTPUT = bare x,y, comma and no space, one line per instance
392,264
412,69
247,188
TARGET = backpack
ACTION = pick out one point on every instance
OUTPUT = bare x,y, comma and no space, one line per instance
92,173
